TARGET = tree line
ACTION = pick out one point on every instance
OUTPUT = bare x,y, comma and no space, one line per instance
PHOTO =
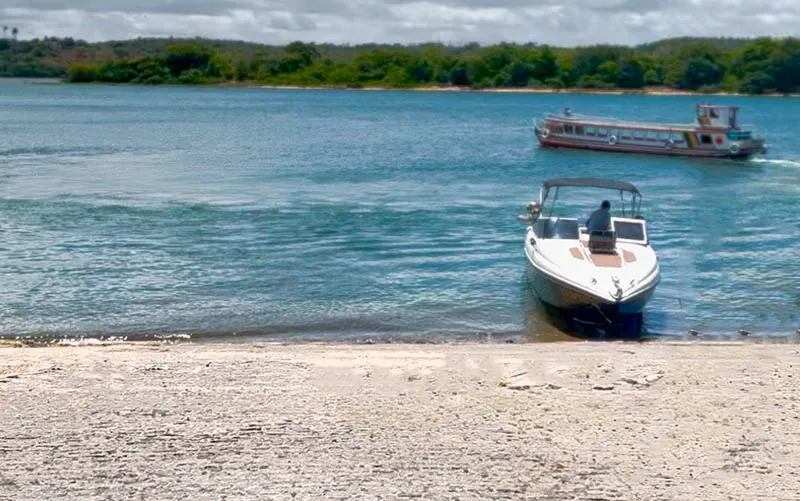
750,66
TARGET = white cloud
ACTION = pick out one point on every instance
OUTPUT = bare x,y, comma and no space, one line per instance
565,23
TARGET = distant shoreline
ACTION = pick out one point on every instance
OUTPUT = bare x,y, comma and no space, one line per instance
646,91
655,91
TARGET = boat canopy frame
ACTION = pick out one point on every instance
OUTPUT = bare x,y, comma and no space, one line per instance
592,182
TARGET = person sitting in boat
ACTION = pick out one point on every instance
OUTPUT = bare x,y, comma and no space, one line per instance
600,220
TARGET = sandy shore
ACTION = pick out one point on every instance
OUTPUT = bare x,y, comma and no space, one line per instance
646,91
597,421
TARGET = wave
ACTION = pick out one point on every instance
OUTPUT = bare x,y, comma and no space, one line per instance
775,161
358,330
52,151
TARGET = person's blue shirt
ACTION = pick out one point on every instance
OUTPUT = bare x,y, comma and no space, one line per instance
600,220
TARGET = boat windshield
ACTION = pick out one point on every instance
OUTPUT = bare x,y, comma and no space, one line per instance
629,230
557,228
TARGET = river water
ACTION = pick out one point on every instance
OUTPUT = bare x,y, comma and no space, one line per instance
338,215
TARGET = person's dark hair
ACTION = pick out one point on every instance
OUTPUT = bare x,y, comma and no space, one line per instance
606,204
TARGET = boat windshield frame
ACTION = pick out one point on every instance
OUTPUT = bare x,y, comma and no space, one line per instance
622,187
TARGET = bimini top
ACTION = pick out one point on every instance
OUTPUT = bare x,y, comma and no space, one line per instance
592,182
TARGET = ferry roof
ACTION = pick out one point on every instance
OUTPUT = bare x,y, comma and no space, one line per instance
590,121
717,106
591,182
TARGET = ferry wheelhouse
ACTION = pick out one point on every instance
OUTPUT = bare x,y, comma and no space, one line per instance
715,133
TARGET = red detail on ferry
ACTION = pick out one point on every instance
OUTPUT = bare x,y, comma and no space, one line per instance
720,139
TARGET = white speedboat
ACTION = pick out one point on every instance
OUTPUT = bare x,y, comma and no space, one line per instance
614,272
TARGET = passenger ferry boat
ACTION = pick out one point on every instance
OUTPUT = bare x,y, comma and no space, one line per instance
715,133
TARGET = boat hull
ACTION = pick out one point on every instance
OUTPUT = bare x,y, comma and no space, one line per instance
554,141
558,294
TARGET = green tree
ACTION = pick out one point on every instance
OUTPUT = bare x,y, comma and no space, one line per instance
756,83
182,58
786,66
631,75
192,76
421,70
117,72
376,64
81,73
700,72
436,58
545,65
501,79
343,74
608,72
305,52
151,70
696,65
242,71
459,75
651,77
588,61
730,83
520,73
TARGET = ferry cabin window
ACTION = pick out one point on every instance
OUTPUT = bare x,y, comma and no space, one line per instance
579,130
568,129
706,139
591,131
602,132
629,230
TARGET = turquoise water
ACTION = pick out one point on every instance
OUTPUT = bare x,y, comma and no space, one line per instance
133,211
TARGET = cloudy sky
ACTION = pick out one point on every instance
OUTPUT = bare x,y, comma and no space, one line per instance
565,22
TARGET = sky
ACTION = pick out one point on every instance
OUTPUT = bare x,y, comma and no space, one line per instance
562,23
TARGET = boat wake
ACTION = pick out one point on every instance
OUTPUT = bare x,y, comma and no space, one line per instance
775,161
